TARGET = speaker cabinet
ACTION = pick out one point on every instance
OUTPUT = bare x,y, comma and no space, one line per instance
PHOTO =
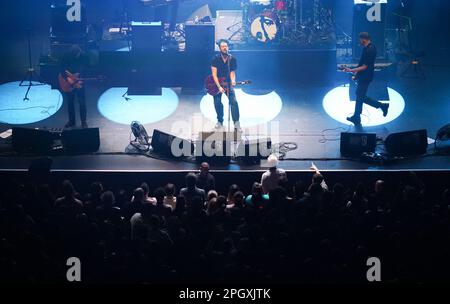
355,144
200,38
215,147
170,145
252,151
407,143
32,140
146,36
81,140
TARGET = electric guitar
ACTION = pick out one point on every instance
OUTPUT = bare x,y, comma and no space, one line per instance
212,89
73,81
354,76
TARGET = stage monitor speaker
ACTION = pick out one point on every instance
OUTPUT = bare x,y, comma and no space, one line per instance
146,36
407,143
32,140
215,147
355,144
252,151
200,37
171,145
81,140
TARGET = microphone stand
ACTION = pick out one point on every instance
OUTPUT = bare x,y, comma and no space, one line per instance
31,73
228,92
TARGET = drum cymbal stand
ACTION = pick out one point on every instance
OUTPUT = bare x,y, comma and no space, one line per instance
240,27
239,30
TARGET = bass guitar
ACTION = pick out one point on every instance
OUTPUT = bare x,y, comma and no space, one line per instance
73,81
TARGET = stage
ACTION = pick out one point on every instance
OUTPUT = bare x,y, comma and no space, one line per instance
308,116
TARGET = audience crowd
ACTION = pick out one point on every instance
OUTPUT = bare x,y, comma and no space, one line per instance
279,231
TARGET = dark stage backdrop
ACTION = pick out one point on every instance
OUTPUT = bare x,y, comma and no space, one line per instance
431,20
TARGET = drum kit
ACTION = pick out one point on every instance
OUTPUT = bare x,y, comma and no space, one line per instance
276,22
266,20
283,22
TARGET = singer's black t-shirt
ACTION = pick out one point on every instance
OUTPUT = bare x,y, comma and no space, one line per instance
367,58
222,67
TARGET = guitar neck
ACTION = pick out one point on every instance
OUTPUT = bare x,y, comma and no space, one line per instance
226,83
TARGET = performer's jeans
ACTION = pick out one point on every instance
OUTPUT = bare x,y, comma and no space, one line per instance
361,98
233,105
70,99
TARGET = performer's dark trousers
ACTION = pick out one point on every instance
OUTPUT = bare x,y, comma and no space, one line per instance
233,105
361,97
69,98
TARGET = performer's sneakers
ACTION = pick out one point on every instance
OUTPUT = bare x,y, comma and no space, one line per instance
237,127
355,120
218,126
385,108
84,124
69,124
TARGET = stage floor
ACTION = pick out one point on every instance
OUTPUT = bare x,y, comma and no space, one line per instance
308,115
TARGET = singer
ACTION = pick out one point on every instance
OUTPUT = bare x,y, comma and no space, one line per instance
225,65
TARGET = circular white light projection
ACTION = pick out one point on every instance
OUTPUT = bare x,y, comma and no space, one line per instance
143,108
254,109
338,105
43,102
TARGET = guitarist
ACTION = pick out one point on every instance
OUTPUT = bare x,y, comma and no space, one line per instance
225,65
364,75
74,61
